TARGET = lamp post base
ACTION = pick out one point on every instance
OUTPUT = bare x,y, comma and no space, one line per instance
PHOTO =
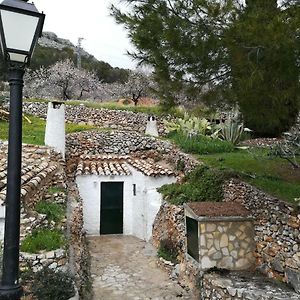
11,292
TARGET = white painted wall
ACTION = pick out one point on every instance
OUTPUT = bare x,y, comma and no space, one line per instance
55,128
138,211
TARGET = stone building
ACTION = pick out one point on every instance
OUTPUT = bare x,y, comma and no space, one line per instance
219,235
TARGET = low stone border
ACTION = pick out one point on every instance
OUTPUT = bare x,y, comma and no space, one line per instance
243,285
55,260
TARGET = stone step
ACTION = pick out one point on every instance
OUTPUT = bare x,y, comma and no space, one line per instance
244,285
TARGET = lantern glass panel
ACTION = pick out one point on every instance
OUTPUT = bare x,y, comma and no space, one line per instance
19,31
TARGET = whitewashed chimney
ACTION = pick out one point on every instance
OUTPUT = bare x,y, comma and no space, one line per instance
151,127
55,127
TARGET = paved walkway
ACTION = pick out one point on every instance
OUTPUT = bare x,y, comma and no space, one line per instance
124,267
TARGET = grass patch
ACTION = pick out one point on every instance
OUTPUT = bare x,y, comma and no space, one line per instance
167,251
273,175
200,144
44,239
55,189
34,133
53,211
71,127
202,184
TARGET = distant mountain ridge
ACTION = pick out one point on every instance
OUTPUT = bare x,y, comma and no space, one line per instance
51,40
51,49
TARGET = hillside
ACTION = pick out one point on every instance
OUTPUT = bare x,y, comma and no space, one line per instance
51,49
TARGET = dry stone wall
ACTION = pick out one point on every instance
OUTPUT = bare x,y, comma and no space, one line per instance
112,142
244,286
56,260
169,225
78,249
277,232
181,161
114,119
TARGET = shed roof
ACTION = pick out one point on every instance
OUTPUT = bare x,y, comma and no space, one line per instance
218,209
36,166
108,165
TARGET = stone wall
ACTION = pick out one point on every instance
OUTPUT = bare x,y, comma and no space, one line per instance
169,225
112,142
276,228
277,232
181,161
78,249
114,119
244,286
56,260
226,244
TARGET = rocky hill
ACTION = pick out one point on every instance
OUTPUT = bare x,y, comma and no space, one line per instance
51,40
51,49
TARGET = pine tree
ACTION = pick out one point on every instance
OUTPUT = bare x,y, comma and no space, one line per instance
265,75
222,51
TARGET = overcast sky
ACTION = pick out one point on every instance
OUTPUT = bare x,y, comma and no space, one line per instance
89,19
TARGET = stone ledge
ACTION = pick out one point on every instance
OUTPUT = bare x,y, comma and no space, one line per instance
244,285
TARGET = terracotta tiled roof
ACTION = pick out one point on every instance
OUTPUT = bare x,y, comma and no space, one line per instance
119,165
36,165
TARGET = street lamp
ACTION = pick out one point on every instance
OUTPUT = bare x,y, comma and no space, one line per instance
20,27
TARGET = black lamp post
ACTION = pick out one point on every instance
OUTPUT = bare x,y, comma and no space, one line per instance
20,27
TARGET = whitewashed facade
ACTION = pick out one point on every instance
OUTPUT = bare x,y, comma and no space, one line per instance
140,202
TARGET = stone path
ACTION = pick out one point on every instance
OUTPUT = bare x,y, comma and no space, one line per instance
124,267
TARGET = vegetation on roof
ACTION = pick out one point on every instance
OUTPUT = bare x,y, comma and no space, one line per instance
202,184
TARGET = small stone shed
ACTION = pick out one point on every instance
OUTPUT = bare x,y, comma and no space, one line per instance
120,193
219,235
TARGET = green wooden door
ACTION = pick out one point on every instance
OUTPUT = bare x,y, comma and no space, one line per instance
111,214
192,238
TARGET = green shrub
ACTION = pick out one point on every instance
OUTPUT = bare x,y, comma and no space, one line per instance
167,251
43,239
53,211
52,285
202,184
201,144
189,126
180,165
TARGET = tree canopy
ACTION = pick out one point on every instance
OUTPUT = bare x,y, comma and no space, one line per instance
222,52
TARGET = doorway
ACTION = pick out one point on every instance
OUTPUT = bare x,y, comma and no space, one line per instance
192,238
111,211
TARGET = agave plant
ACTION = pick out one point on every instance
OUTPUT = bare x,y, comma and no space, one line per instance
231,131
